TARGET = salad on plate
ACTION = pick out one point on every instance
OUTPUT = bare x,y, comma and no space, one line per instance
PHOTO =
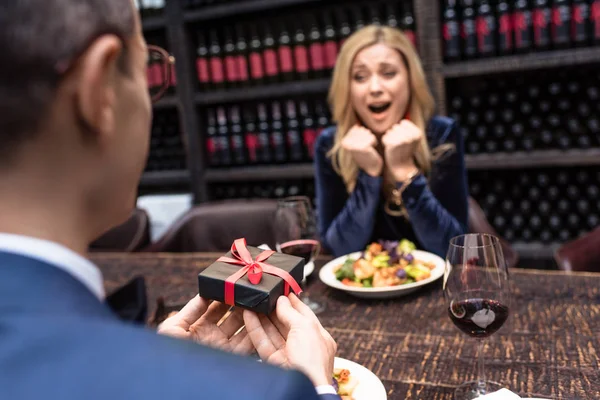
383,264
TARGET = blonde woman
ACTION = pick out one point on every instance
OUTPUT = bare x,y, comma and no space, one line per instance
388,170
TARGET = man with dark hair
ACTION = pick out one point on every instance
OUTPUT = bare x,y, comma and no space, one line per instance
75,119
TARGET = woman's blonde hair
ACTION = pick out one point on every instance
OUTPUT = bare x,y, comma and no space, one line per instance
420,107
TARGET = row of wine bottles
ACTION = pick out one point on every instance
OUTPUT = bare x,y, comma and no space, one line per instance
483,28
167,152
150,8
264,133
539,205
265,190
526,112
297,47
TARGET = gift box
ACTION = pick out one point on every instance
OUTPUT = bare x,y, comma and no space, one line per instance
251,278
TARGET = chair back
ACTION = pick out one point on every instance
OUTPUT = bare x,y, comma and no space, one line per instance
132,235
478,223
212,227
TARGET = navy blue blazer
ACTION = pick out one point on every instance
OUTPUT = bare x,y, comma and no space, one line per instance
59,342
437,205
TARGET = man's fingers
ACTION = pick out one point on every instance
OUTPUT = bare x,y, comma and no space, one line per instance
215,312
241,343
189,314
259,337
233,323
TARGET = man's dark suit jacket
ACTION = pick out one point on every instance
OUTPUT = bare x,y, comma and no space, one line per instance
58,341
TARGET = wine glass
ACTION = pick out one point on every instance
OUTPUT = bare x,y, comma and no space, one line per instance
296,234
476,290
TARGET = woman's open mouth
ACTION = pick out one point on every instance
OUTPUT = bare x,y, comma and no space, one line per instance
379,107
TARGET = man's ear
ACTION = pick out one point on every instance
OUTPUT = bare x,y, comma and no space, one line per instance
97,71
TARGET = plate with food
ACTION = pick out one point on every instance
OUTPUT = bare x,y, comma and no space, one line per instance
385,269
355,382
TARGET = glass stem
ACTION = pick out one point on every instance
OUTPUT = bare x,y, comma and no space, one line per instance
480,368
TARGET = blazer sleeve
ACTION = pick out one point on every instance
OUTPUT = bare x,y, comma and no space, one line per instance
345,221
438,210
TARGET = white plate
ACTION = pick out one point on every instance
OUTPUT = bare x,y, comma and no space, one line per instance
369,386
328,277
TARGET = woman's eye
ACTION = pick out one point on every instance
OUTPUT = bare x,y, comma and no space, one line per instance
389,74
359,78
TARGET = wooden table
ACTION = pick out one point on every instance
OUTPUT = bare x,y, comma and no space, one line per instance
550,347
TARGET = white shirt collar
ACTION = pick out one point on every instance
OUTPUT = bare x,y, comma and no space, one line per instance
59,256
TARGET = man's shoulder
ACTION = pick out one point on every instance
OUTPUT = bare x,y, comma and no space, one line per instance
108,359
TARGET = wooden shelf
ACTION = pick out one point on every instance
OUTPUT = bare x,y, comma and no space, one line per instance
550,158
259,173
166,102
239,7
153,23
542,158
548,59
165,178
262,92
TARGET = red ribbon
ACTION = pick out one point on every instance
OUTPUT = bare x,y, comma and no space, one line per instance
254,269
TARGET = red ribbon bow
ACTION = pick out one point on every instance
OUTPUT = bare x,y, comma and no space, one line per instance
254,269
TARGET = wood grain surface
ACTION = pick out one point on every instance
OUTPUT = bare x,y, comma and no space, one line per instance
549,348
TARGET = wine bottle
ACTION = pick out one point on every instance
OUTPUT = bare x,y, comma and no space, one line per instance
407,23
373,15
451,32
392,18
330,46
561,24
309,132
202,64
264,143
251,136
223,137
238,150
294,142
542,18
486,29
321,112
284,53
257,69
316,51
301,62
212,143
344,30
231,68
241,48
580,29
468,29
505,27
357,16
270,56
217,72
277,140
595,21
522,26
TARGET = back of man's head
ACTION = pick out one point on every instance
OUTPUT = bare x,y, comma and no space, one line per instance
37,39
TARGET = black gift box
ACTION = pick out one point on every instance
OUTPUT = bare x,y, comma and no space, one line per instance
260,298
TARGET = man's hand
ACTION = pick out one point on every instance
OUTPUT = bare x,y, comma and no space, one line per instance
202,321
292,337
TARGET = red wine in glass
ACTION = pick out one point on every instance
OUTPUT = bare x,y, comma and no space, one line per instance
478,318
305,248
476,290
